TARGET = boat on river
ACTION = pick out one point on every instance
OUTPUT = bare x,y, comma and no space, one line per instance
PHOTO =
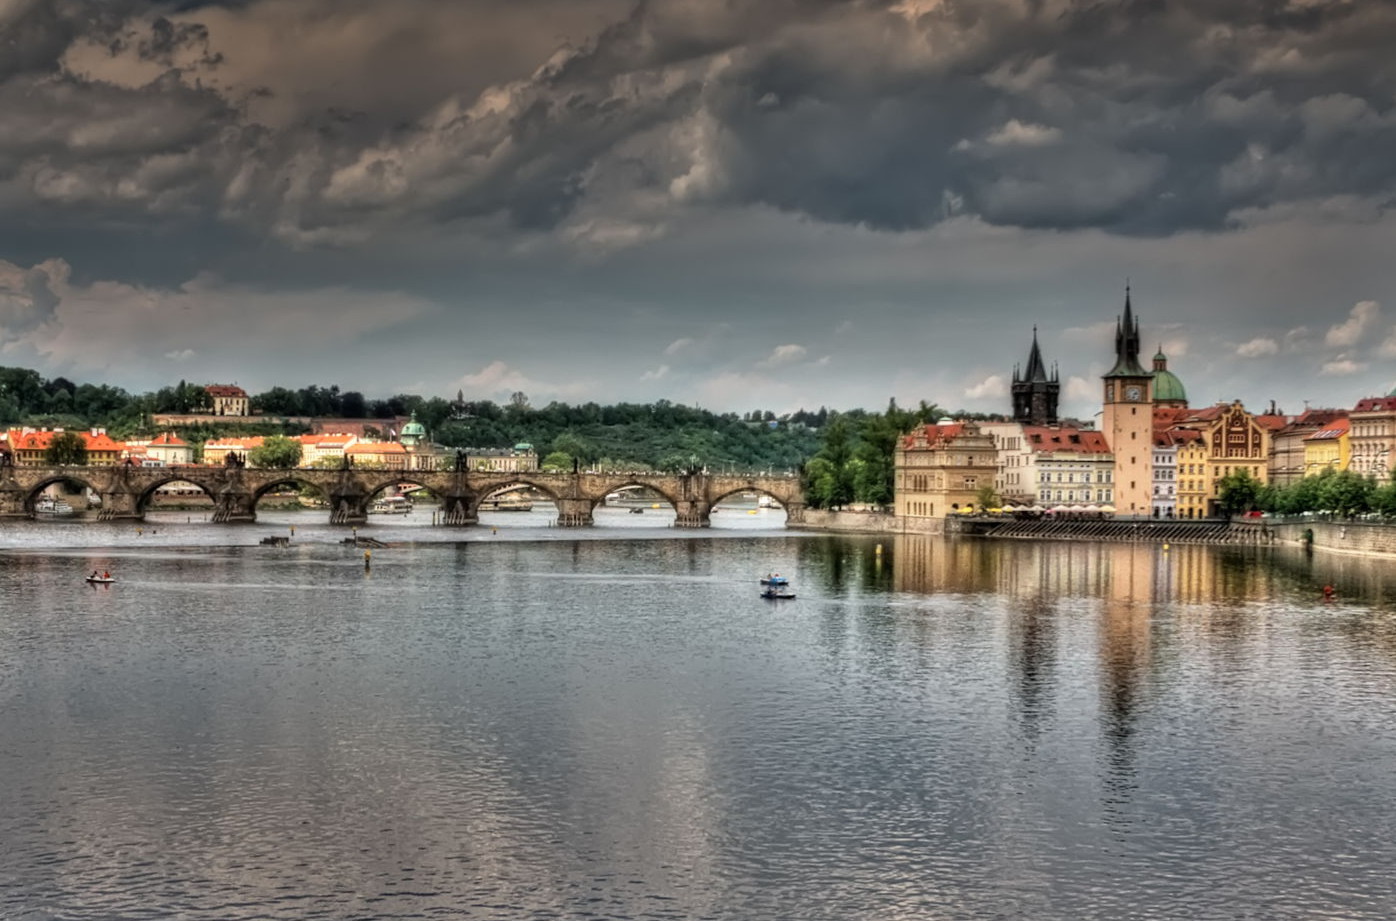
391,505
99,580
48,507
777,592
774,578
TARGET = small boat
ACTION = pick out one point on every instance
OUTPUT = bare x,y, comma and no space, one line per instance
99,580
777,592
637,511
774,578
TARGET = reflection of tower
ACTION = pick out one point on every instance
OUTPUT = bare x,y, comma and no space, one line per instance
1032,643
1034,393
1128,420
1124,655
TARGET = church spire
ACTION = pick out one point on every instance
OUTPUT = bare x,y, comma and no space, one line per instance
1036,370
1127,343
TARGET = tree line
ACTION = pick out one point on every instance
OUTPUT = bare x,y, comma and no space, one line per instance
1344,493
655,436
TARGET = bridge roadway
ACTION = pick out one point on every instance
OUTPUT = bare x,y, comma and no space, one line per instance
126,491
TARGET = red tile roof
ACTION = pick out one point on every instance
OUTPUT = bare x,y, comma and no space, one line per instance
1375,405
224,390
1044,438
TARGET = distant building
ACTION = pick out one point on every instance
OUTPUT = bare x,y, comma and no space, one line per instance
1372,431
1329,449
1072,468
168,449
29,447
216,450
940,468
1128,422
1035,394
521,458
1288,454
227,399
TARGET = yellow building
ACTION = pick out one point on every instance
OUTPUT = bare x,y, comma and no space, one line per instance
1193,477
1228,440
1329,449
941,468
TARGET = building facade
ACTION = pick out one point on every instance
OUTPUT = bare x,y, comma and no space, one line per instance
1328,449
227,400
1127,421
1371,433
1035,393
940,468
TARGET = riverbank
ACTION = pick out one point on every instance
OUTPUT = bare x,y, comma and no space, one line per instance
1360,538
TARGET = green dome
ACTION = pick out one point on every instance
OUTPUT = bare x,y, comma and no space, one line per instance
413,427
1167,387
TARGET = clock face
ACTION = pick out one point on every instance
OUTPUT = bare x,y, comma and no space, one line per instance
1133,393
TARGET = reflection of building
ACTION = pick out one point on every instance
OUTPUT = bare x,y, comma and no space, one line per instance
227,399
940,469
1128,420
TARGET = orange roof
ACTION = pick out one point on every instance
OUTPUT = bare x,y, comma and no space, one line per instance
1336,430
376,447
1043,438
934,434
169,439
235,444
39,441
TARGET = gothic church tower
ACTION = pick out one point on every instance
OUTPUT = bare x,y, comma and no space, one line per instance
1128,420
1035,395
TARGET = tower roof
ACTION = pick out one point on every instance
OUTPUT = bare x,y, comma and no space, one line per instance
1127,344
1036,370
1167,387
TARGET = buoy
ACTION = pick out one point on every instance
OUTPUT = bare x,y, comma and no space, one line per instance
878,551
368,558
1165,546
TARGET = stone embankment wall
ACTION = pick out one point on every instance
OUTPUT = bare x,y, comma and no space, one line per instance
849,522
1368,538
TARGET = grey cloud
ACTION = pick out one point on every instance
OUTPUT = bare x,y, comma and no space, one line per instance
1145,118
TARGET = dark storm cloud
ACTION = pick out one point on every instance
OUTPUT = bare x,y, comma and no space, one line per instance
1133,117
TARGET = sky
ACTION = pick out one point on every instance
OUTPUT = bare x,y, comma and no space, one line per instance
736,204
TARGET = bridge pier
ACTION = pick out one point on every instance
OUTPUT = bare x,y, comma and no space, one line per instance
234,507
120,504
794,513
457,511
349,509
692,513
12,498
574,513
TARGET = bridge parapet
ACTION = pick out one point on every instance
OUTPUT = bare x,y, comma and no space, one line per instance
125,492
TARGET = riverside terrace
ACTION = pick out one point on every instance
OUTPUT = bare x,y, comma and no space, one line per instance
126,491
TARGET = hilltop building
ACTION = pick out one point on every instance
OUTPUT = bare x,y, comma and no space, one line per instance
227,399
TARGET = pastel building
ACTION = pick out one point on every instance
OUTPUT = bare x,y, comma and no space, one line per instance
1329,449
940,468
227,399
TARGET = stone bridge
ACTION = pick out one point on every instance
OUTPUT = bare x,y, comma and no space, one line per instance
126,491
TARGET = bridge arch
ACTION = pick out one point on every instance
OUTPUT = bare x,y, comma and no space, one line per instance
626,483
290,478
144,500
31,496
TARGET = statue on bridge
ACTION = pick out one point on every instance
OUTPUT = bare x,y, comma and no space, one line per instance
6,459
462,461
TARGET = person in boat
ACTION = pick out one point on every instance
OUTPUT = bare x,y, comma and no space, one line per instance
1329,593
106,574
94,574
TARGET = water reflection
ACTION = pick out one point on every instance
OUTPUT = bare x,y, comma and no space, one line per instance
580,726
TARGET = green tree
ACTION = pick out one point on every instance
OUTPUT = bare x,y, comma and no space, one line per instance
66,449
557,462
276,452
1346,493
987,497
1238,492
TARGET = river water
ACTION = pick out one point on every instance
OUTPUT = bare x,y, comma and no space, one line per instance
541,723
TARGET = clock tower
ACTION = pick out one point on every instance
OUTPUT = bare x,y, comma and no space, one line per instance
1128,421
